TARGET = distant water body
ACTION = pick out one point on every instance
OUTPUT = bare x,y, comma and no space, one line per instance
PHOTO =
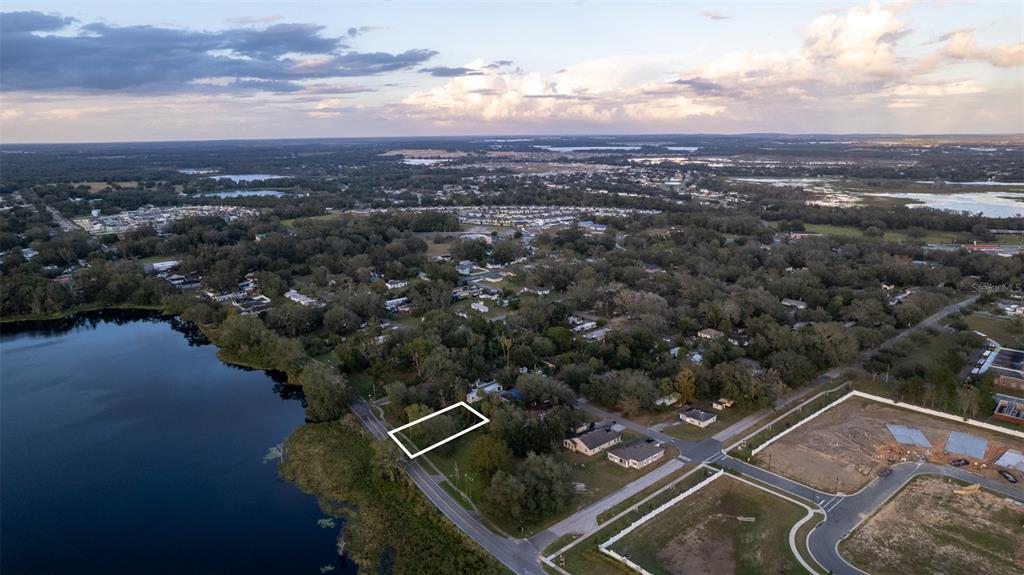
128,447
244,194
247,177
989,204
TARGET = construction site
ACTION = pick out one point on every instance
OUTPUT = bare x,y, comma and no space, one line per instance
936,526
842,449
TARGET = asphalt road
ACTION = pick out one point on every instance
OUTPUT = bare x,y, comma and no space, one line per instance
850,511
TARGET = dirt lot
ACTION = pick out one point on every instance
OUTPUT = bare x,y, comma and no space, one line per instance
727,527
851,442
927,529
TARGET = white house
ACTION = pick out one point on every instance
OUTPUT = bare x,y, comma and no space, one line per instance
480,307
698,417
482,389
593,441
636,455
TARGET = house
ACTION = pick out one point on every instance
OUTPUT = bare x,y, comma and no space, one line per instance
593,441
636,455
596,335
698,417
302,299
695,357
393,305
710,333
670,399
396,284
480,307
249,305
584,326
722,404
674,352
465,268
482,389
794,303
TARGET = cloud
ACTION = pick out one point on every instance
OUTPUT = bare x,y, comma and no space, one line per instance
715,15
102,57
24,22
446,72
961,46
844,53
606,90
256,19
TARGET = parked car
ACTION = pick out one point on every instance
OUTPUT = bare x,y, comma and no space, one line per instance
958,462
885,472
1008,476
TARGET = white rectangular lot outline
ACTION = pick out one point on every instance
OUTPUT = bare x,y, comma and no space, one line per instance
393,433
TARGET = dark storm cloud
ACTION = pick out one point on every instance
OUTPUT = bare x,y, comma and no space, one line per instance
154,59
704,87
22,22
446,72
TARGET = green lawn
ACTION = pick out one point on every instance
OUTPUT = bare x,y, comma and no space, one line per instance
931,236
930,349
725,418
1008,332
704,533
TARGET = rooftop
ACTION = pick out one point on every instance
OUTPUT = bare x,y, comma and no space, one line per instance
637,450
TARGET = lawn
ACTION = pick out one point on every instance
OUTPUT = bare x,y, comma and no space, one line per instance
1004,330
726,418
930,349
931,236
726,527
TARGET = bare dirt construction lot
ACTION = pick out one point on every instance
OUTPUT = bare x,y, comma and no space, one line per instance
927,529
852,443
726,527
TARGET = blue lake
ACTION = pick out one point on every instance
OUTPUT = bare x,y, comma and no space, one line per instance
245,194
128,447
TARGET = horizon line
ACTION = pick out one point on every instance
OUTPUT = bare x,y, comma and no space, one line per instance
523,135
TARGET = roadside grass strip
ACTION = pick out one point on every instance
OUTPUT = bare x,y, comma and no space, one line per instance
394,433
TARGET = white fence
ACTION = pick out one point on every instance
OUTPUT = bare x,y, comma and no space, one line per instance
604,547
900,404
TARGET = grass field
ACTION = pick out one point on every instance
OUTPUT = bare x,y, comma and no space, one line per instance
726,527
926,529
725,418
290,223
1003,330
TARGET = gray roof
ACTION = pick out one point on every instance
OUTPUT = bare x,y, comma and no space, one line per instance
598,437
698,414
637,451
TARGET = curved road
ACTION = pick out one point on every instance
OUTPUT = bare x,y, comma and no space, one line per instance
852,510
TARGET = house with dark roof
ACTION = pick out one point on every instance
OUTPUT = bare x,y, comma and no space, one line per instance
593,441
636,455
698,417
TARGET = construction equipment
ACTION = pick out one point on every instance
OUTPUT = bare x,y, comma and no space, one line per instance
968,490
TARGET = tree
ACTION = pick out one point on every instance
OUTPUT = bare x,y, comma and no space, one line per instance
327,393
388,459
685,385
489,455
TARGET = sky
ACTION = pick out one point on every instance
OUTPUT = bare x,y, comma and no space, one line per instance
188,70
